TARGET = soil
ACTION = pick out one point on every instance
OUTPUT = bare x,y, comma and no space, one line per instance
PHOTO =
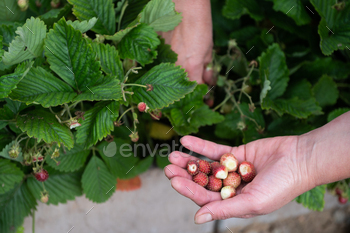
336,220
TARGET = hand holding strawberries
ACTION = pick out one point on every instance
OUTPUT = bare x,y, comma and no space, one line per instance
279,180
285,168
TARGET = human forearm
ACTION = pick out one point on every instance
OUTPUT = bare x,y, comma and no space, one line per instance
328,151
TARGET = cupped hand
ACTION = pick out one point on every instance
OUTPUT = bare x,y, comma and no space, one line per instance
282,175
192,39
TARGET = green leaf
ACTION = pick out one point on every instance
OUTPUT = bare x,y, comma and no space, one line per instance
160,15
97,182
326,91
54,15
265,88
103,10
117,37
287,125
108,88
161,160
132,12
139,44
110,60
165,53
60,186
5,152
119,158
28,44
15,205
9,175
20,230
15,106
169,83
315,69
301,89
83,26
313,199
10,11
294,9
70,160
98,123
273,62
334,27
8,32
336,112
234,9
227,129
42,124
295,106
71,57
9,82
40,86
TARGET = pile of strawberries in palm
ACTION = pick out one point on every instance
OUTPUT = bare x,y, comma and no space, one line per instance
224,176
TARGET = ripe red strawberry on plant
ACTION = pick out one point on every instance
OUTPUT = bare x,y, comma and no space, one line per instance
192,167
204,166
229,161
214,184
201,179
233,179
220,172
247,171
41,175
142,107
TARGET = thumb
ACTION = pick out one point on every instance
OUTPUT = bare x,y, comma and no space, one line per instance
240,206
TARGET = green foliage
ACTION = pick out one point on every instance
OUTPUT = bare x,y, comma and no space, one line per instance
337,112
103,10
9,175
334,28
98,123
69,161
313,199
9,82
294,9
97,182
5,152
325,91
139,43
234,9
15,205
169,84
187,115
160,15
28,44
41,124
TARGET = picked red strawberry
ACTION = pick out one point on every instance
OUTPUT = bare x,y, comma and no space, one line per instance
229,161
214,164
214,184
41,175
201,179
220,172
247,171
204,166
227,192
233,179
192,167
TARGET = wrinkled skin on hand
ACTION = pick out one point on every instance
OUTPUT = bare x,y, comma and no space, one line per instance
282,175
192,39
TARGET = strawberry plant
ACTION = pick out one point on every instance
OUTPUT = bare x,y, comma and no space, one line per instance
81,78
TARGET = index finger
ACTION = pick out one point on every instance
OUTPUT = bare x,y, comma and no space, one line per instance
210,149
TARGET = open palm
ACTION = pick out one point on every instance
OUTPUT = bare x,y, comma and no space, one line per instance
282,175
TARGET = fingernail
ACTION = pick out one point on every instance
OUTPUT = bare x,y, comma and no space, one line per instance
203,218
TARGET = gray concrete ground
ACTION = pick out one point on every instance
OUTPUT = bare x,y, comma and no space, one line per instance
156,207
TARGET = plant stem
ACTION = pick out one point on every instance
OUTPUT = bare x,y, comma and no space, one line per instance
33,221
124,113
222,103
122,13
134,84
